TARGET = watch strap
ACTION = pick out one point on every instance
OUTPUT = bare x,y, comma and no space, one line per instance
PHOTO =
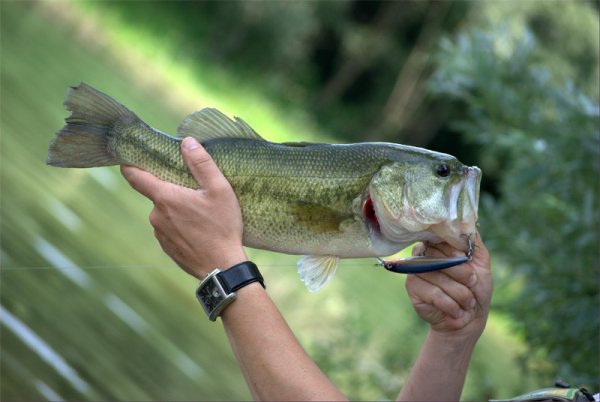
240,275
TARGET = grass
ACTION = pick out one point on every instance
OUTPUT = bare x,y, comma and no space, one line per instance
131,328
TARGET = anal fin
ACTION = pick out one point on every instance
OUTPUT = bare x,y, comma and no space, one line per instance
316,270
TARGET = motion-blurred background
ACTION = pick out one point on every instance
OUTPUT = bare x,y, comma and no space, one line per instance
92,309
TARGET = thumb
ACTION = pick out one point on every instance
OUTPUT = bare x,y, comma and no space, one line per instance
203,167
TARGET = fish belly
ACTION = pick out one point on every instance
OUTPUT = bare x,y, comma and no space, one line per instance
298,216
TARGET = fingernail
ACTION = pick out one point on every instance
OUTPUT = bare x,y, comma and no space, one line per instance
190,143
472,280
473,303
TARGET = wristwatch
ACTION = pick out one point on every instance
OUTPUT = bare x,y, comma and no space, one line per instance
217,290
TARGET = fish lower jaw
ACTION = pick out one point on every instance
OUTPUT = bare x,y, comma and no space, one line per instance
400,238
456,234
385,248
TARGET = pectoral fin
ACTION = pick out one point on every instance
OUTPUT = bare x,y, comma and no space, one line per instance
318,218
316,270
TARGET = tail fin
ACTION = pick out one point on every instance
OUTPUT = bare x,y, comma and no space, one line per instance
84,140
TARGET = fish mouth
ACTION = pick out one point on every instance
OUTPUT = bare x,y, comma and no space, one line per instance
402,223
463,202
463,199
384,225
370,216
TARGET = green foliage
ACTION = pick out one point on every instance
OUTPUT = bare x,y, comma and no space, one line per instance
337,60
538,137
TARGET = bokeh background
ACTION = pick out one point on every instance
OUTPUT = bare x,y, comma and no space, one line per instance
90,307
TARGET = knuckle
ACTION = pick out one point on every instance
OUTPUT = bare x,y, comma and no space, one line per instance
438,293
442,302
419,249
131,178
464,296
200,161
221,187
154,219
431,292
410,283
164,199
469,273
159,200
462,273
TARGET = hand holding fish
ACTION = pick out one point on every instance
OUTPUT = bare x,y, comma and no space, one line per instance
181,215
454,301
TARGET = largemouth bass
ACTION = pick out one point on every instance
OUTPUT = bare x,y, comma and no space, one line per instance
322,201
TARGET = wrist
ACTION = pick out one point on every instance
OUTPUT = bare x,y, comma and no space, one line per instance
247,298
230,258
224,260
459,340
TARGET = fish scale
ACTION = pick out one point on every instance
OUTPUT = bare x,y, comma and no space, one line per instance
277,201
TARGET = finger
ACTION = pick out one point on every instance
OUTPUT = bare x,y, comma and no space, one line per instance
460,293
203,168
424,292
419,249
481,256
481,262
143,182
443,250
463,273
436,250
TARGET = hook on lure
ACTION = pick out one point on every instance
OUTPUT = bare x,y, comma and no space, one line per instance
421,264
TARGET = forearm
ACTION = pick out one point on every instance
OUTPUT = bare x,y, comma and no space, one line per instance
272,361
440,370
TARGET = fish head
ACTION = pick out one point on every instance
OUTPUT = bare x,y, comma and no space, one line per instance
429,197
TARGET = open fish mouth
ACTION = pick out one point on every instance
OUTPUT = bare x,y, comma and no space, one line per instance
370,216
400,228
400,221
471,198
463,202
464,207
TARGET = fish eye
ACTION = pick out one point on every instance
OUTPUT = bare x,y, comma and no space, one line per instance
443,170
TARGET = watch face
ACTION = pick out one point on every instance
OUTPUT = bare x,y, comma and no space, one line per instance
211,295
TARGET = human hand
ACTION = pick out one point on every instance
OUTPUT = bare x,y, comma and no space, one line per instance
454,301
199,229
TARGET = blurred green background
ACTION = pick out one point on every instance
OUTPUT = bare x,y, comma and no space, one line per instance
92,310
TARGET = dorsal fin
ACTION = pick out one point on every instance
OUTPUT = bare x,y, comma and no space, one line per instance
210,123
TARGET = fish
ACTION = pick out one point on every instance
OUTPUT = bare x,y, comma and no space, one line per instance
321,201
